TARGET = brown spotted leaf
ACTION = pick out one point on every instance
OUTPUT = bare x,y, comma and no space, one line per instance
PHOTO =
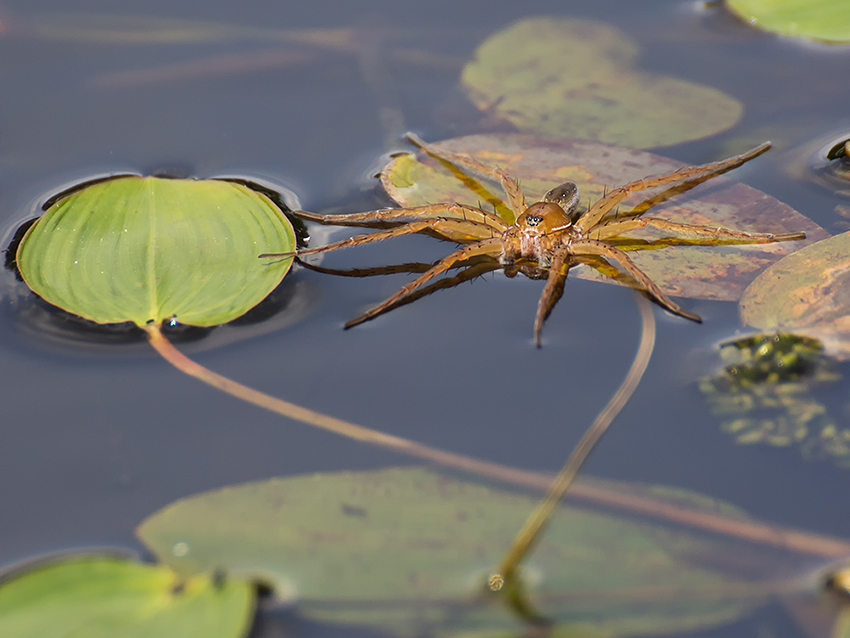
806,293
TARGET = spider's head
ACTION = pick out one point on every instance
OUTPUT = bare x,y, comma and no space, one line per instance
540,229
565,196
543,218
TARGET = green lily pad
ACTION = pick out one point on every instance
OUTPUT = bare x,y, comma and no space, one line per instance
409,550
100,596
706,272
826,20
565,77
147,249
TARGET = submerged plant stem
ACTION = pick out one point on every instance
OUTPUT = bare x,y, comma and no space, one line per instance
539,519
338,426
755,531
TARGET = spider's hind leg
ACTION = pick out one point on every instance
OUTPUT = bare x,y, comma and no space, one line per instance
468,273
409,267
490,247
593,247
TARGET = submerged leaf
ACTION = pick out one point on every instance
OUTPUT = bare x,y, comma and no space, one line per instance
827,20
128,30
807,293
707,272
765,395
147,249
408,549
572,78
99,596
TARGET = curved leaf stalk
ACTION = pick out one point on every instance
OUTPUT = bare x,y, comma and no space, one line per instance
506,579
755,531
338,426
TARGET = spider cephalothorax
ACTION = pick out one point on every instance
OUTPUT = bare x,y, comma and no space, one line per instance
547,238
537,233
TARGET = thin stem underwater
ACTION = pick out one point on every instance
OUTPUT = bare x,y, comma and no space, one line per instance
536,524
338,426
793,540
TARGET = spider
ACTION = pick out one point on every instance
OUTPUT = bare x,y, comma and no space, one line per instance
547,239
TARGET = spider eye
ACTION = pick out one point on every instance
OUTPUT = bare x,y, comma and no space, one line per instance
533,220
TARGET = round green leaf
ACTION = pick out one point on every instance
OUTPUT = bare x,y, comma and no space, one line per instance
706,272
93,596
145,249
572,78
807,293
408,548
827,20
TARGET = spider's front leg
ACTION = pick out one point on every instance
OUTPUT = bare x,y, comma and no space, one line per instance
509,183
379,218
552,292
605,205
457,229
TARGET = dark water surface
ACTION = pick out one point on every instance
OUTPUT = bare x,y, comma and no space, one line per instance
95,437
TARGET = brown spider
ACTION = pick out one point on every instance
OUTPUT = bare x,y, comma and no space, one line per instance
547,238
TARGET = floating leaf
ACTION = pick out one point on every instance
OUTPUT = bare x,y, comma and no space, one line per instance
572,78
99,596
408,549
145,249
827,20
807,293
708,272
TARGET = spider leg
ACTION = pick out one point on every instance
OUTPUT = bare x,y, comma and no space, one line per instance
668,193
604,206
551,294
416,267
593,247
459,230
508,182
379,218
472,271
485,247
617,227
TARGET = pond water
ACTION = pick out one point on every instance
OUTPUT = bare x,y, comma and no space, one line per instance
97,435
